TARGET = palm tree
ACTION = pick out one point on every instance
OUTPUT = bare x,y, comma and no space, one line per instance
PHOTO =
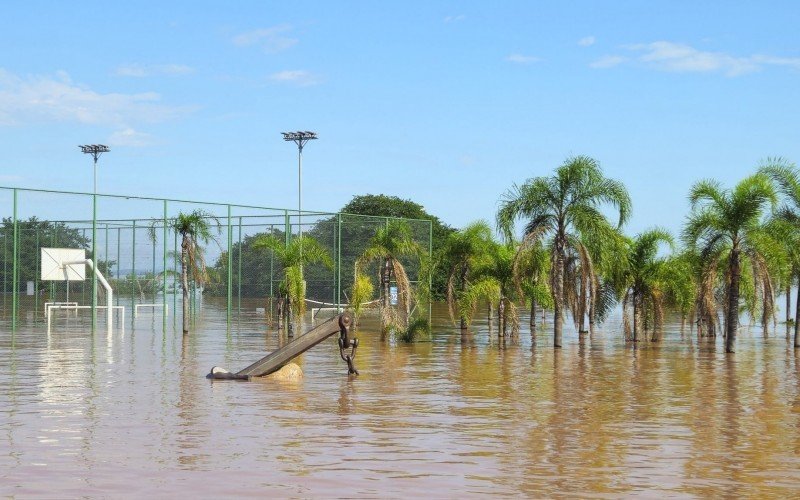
787,178
194,228
389,244
501,269
644,280
566,206
302,250
727,225
680,286
531,268
464,252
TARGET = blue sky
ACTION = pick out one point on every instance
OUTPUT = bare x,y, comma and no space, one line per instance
444,103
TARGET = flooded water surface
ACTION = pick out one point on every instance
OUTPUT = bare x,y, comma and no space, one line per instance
85,414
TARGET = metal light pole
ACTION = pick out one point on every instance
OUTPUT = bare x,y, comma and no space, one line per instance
95,150
300,138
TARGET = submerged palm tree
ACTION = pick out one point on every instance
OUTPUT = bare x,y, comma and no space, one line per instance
644,282
566,206
726,225
787,177
464,252
531,268
301,251
386,247
194,228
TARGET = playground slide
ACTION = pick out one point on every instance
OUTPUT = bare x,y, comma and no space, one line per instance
275,360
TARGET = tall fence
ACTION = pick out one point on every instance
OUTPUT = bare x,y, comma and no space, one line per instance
136,247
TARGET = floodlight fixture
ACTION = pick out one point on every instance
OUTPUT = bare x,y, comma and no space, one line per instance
301,138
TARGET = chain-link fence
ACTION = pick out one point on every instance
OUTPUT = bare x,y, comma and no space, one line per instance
137,246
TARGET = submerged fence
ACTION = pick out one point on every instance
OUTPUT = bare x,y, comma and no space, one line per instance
133,243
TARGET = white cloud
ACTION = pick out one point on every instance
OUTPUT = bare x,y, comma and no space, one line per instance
271,40
45,99
586,41
682,58
455,19
130,137
11,179
608,62
144,70
522,59
298,77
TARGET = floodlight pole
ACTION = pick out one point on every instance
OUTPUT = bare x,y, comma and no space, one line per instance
300,138
95,150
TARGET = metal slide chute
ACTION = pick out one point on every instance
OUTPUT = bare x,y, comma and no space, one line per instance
275,360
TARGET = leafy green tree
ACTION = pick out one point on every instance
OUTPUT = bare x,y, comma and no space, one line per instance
300,252
358,230
194,228
787,178
726,225
567,206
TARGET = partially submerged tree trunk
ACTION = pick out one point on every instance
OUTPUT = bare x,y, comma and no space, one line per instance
797,319
558,292
732,321
185,281
533,314
636,313
501,317
582,298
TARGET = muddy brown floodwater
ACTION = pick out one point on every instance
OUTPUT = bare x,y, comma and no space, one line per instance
133,415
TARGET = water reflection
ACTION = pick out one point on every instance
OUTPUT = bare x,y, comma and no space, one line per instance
473,413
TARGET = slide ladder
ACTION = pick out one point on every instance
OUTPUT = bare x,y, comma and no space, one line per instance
273,361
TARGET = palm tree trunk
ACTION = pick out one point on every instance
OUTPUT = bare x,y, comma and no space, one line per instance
185,281
636,314
501,318
385,279
582,305
289,317
533,314
732,322
463,287
797,319
789,302
558,291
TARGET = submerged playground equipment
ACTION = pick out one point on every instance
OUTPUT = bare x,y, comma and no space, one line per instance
275,360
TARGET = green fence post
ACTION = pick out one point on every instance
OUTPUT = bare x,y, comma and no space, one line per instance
239,281
96,260
36,277
286,228
164,273
133,272
14,267
230,265
174,274
271,265
430,275
338,261
119,263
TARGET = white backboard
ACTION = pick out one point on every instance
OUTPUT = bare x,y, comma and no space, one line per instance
55,269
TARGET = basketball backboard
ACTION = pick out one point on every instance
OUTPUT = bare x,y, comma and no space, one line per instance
54,269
